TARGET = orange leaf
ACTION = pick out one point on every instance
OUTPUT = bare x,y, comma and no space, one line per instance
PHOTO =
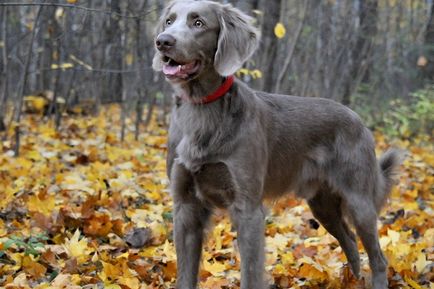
310,272
33,268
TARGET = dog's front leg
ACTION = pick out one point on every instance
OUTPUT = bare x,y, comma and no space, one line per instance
249,222
190,218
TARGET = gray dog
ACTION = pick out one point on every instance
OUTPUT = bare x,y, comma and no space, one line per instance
231,147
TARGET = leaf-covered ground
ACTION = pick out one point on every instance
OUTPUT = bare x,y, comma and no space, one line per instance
80,209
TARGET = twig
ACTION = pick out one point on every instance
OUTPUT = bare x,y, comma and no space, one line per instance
102,70
72,6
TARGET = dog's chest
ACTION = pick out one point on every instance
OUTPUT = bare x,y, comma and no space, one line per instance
193,151
200,138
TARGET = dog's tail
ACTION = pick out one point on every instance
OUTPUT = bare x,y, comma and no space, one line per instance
389,164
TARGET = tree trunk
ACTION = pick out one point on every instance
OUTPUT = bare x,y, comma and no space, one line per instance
143,56
115,55
288,59
247,5
429,42
20,93
4,73
125,106
361,52
269,43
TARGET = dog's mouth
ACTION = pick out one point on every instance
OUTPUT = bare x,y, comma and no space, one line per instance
177,69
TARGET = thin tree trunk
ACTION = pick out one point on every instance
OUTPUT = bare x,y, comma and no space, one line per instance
268,47
115,55
123,115
151,104
429,42
20,93
363,46
5,79
55,105
291,50
247,5
142,93
125,100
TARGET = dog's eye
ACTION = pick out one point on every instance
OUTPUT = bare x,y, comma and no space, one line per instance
168,22
198,23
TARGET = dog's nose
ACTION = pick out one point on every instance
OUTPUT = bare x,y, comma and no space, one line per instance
165,41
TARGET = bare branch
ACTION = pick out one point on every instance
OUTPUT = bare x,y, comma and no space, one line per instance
79,7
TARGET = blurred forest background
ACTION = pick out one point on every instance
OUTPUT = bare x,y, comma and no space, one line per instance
62,57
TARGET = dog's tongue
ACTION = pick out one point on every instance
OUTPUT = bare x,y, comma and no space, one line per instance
181,71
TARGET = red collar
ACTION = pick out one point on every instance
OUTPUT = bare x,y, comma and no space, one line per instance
220,92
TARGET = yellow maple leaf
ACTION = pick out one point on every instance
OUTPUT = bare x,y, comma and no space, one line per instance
287,258
256,73
7,196
279,269
44,205
37,103
215,268
280,30
213,282
421,262
129,58
169,251
394,236
112,286
243,71
217,233
3,230
109,272
401,250
20,281
311,272
66,281
278,242
130,282
77,248
412,283
149,252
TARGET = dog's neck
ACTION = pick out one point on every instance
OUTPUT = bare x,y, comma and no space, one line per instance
197,89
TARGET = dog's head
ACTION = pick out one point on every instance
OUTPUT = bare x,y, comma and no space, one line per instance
197,36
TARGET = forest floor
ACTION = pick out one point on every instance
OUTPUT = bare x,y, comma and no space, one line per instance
80,209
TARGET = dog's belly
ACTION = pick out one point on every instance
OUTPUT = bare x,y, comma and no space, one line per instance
281,175
279,184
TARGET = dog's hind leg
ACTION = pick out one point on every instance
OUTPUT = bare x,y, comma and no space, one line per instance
364,215
326,208
190,218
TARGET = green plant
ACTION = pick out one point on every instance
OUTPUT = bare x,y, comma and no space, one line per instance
399,118
29,245
406,119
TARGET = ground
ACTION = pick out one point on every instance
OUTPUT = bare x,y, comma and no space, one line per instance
81,209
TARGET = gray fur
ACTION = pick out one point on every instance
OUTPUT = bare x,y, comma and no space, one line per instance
250,145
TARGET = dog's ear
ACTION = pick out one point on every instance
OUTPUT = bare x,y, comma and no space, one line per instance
237,40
